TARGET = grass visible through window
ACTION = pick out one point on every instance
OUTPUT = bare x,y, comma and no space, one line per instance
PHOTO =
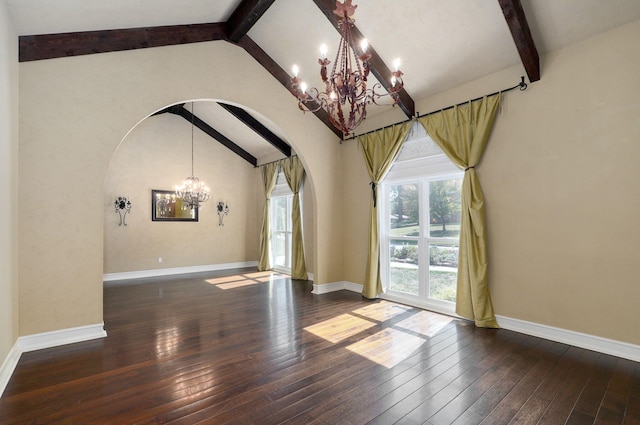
442,283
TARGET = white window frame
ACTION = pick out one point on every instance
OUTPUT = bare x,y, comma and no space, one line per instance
423,170
281,190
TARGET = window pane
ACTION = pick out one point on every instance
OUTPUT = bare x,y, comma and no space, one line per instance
280,213
444,208
289,211
279,249
443,271
403,266
287,248
404,210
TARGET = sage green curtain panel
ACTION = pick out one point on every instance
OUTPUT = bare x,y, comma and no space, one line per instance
269,177
380,149
294,173
462,133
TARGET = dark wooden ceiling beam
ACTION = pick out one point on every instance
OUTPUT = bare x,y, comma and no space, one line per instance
258,127
521,33
281,75
245,16
378,67
49,46
210,131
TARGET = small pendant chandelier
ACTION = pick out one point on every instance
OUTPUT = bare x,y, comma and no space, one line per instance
192,191
346,96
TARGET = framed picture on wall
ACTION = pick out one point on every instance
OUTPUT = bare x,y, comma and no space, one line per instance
165,206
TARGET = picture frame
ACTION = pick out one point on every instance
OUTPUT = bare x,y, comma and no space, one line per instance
166,206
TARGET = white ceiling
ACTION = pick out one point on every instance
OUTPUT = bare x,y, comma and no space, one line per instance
442,43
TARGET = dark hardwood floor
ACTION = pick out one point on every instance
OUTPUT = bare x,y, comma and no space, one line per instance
243,347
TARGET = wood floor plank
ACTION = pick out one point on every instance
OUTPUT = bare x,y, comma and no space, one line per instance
632,410
398,403
574,386
242,346
474,382
474,409
506,408
350,396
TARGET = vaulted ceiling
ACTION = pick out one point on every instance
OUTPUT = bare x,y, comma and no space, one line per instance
442,43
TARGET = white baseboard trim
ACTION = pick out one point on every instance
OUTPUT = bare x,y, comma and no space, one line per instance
336,286
8,366
40,341
577,339
140,274
353,287
60,337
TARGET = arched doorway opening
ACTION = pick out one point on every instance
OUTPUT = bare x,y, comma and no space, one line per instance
156,155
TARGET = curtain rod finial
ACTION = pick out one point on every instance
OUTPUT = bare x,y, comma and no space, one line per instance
523,86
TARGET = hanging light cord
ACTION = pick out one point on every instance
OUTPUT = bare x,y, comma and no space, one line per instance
192,110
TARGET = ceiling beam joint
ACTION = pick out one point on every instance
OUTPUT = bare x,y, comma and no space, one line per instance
244,17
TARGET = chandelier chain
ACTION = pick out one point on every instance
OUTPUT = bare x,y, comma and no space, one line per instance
192,115
192,192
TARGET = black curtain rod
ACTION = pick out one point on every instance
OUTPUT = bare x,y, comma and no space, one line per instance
522,85
277,160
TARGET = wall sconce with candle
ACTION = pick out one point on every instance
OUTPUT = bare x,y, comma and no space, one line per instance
122,205
223,209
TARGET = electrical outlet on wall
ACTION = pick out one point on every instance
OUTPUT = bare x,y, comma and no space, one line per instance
159,259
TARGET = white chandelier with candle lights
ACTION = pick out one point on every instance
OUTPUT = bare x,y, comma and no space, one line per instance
192,191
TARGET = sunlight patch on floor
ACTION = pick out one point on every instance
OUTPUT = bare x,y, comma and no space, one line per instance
225,279
425,323
381,311
387,347
240,280
396,342
340,327
239,284
266,274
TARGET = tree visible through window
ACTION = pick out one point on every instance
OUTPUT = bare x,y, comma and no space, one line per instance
436,204
420,225
444,204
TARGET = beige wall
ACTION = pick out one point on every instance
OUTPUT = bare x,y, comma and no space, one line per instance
356,198
8,183
73,114
157,155
562,187
307,225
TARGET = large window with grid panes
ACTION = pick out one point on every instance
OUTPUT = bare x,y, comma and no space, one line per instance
281,204
419,216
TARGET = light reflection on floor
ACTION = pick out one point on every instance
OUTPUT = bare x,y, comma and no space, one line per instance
245,279
167,341
280,303
382,311
340,327
425,323
389,346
